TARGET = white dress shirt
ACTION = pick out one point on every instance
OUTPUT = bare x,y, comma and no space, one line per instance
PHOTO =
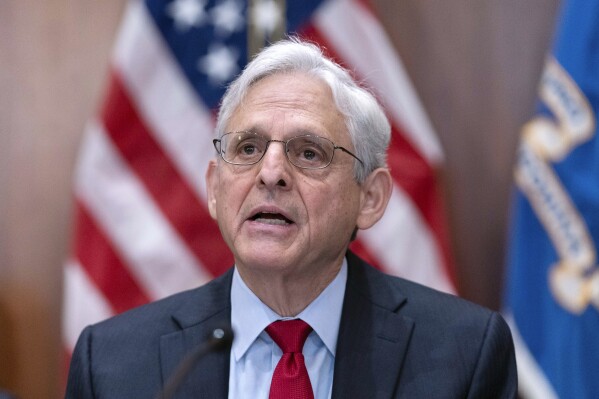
254,355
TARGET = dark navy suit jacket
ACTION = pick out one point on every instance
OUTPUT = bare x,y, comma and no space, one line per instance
397,339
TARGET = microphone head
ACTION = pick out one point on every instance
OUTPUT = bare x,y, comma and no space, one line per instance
221,337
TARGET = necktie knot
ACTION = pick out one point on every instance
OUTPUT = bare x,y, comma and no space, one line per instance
289,335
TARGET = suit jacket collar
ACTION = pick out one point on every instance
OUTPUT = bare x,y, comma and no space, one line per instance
373,336
202,311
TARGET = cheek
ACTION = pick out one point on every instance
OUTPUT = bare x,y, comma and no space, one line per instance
231,195
231,199
332,205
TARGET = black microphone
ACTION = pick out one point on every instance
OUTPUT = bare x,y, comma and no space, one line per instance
220,339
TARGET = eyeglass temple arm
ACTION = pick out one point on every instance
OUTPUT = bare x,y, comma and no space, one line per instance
337,147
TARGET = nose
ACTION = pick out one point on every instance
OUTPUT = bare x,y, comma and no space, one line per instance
275,169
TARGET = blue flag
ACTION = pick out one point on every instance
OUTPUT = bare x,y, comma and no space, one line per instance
553,284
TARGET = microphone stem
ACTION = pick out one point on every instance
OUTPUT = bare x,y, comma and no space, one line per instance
220,339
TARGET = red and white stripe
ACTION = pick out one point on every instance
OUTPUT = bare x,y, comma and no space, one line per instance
140,190
411,239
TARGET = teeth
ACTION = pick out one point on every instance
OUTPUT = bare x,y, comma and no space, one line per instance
279,222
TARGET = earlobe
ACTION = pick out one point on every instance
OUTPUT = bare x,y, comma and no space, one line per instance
211,186
376,191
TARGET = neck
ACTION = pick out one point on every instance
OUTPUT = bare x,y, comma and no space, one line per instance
288,295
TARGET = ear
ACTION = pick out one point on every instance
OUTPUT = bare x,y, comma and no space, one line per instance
212,186
376,191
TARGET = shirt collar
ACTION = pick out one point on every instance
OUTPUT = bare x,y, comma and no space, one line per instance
250,316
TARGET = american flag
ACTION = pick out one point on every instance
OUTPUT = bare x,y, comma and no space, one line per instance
142,229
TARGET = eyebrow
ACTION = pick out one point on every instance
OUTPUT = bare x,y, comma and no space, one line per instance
295,133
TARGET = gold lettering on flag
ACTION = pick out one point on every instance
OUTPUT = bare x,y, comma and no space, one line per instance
574,279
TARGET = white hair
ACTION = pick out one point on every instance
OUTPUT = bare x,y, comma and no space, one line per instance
365,119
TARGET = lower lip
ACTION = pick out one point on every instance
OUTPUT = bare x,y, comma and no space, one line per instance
274,222
266,227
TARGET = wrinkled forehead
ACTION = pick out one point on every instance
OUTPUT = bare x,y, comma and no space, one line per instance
296,101
285,85
239,89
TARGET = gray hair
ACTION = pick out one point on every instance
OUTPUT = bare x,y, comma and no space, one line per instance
365,120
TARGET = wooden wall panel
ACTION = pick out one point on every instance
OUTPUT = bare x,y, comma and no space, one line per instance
475,64
53,57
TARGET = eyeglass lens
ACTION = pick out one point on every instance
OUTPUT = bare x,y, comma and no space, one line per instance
308,151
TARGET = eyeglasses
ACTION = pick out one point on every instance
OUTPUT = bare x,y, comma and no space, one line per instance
306,151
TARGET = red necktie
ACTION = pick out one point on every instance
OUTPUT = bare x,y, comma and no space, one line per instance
290,379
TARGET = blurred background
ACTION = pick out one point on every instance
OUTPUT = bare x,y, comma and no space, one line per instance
475,64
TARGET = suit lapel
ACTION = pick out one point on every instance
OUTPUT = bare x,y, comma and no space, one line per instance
373,336
207,309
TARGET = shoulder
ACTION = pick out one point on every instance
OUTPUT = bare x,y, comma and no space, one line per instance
125,350
165,315
443,329
438,318
416,301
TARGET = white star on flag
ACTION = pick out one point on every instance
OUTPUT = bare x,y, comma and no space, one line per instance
227,17
267,15
187,13
220,64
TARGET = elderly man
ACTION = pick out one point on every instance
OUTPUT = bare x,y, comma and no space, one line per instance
300,169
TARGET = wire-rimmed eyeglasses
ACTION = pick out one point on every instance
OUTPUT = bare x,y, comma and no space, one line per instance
306,151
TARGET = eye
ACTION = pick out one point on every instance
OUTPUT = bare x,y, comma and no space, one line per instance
309,151
248,146
309,154
244,147
248,149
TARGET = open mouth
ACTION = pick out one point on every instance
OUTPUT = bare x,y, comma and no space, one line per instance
271,218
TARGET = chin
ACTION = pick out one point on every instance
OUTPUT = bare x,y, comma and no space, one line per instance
263,261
